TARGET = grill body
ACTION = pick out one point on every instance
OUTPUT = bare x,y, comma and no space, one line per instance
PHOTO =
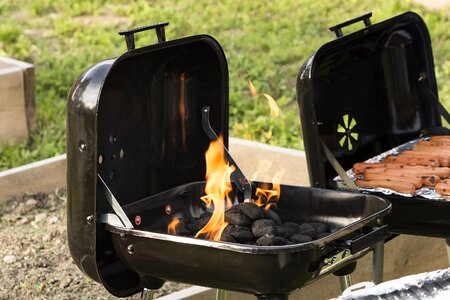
362,94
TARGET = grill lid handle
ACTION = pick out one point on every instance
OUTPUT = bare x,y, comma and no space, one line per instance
129,33
337,29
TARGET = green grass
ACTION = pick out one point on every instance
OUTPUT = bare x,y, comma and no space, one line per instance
264,41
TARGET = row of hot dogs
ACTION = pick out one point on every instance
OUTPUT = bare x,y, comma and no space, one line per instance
427,164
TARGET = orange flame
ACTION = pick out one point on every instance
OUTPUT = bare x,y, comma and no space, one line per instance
172,227
182,108
218,186
268,197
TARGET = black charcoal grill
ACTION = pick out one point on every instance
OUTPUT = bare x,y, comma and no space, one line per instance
138,128
365,93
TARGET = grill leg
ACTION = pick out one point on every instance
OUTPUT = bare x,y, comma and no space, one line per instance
221,295
448,249
378,263
345,281
147,294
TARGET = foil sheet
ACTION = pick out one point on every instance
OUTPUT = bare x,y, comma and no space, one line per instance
430,285
425,192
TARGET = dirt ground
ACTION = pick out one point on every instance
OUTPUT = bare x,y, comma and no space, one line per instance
35,261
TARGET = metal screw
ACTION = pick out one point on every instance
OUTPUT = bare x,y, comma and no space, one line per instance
130,249
122,235
346,251
90,219
322,248
379,222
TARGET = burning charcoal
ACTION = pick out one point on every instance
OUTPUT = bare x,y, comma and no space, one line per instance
269,240
280,231
191,225
265,240
227,238
279,241
206,215
319,227
184,232
234,208
252,210
300,238
263,227
243,236
307,229
237,218
230,229
323,234
270,214
290,228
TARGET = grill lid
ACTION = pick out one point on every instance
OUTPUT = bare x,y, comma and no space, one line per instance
366,92
136,121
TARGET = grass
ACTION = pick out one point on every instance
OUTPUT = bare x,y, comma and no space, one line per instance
264,41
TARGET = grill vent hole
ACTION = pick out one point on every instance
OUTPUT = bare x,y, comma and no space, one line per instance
100,159
122,153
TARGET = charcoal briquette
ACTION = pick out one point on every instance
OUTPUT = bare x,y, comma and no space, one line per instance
270,214
227,238
230,229
279,241
263,227
290,228
183,231
265,240
237,218
279,231
319,227
307,229
300,238
244,236
252,210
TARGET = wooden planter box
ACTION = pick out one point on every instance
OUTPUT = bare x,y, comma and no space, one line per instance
17,104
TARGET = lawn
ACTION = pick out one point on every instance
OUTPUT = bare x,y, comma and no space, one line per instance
264,41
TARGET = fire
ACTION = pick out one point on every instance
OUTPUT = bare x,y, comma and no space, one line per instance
218,187
266,196
182,107
172,227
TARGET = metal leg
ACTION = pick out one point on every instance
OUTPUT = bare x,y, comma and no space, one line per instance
147,294
221,295
378,263
448,249
345,281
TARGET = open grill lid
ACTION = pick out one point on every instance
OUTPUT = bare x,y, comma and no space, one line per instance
136,121
366,92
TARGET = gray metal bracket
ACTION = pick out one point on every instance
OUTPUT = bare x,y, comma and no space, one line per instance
243,184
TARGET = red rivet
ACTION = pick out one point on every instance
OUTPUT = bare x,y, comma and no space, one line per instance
137,220
168,209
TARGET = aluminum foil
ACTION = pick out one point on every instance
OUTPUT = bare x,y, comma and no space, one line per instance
430,285
424,192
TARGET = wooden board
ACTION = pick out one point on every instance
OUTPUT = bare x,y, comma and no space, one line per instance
17,101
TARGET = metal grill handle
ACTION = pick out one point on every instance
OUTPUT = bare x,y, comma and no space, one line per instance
337,29
129,33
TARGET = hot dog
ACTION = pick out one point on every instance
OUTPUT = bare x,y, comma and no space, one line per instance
415,180
442,172
401,187
409,159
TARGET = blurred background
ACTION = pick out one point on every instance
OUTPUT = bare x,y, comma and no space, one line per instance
265,42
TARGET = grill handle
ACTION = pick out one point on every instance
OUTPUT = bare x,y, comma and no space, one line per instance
367,239
129,33
337,29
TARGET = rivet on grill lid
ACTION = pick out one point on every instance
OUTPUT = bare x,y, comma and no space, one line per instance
90,219
130,249
82,147
112,139
112,174
168,209
122,153
100,159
